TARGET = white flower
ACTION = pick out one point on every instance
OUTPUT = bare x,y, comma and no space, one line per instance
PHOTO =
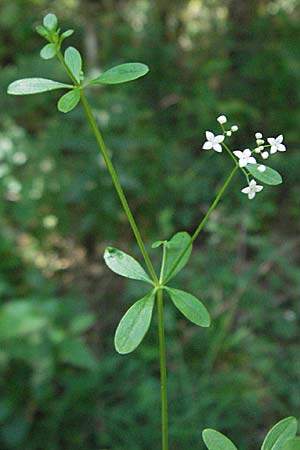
222,119
229,133
258,135
213,142
260,141
252,189
261,168
245,157
265,155
276,144
234,128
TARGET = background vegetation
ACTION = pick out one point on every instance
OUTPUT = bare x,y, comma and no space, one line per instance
62,385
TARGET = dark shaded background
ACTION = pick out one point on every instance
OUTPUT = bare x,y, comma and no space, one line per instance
63,387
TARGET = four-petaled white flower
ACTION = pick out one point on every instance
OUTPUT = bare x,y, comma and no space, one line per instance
245,157
252,189
213,142
276,144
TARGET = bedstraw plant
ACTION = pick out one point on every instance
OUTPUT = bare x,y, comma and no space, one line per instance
175,251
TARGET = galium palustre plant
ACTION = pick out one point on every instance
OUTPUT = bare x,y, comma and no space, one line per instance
175,251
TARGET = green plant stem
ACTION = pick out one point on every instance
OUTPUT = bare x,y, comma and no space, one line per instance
163,370
118,186
202,223
235,160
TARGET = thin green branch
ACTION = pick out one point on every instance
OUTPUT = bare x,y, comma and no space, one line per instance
202,223
118,186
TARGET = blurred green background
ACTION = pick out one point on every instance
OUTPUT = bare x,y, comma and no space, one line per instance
63,387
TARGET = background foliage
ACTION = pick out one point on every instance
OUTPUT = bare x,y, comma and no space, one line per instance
62,384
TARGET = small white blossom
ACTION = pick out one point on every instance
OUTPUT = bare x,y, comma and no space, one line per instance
265,155
258,135
260,141
229,133
213,142
252,189
261,168
259,149
245,157
222,119
234,128
276,144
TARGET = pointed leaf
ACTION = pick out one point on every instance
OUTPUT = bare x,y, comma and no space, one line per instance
174,249
48,52
124,265
269,176
214,440
290,444
279,433
190,307
68,101
34,86
122,73
134,325
74,62
50,21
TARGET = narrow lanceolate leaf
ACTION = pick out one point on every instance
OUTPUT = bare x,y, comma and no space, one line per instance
269,176
124,265
190,307
174,249
214,440
48,52
134,325
290,444
281,432
50,21
122,73
68,101
34,86
74,62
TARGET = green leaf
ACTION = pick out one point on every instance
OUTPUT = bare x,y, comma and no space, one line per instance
48,52
290,444
74,62
157,244
214,440
269,176
82,323
174,249
66,34
134,325
42,31
74,351
279,433
34,86
50,22
122,74
68,101
124,265
192,308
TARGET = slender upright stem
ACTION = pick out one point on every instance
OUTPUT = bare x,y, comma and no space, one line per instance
163,370
202,223
118,186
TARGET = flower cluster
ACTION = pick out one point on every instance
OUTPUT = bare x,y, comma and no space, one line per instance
245,159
